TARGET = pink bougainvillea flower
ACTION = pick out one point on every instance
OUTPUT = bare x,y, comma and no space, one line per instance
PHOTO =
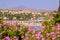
58,28
57,32
52,33
29,28
58,25
3,39
48,34
7,38
20,28
43,39
13,24
42,27
26,34
42,30
38,35
26,38
5,27
16,38
9,23
53,38
35,34
22,36
33,31
53,28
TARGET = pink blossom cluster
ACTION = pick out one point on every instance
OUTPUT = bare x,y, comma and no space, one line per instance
33,34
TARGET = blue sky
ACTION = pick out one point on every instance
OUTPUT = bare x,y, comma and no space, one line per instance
34,4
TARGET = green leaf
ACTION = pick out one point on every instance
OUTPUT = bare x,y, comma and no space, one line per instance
44,34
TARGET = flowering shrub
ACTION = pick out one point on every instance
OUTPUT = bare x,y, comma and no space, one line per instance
15,31
12,32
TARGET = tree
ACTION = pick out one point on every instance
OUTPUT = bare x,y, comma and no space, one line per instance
1,14
10,16
57,18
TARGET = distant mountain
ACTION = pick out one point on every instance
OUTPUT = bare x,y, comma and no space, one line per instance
26,8
19,8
